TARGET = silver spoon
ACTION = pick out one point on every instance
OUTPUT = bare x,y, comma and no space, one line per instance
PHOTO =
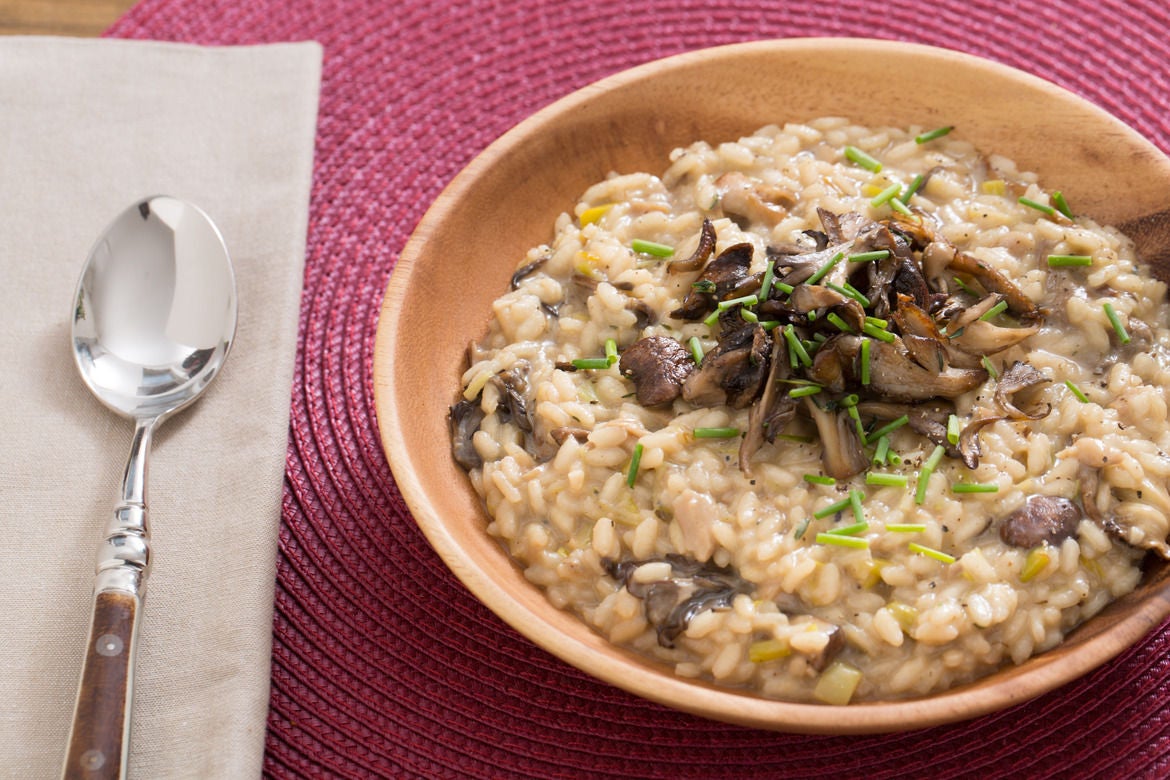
153,320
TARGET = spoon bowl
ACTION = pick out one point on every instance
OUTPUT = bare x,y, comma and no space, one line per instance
153,320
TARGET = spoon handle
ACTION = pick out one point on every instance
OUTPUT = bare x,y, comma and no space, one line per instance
99,739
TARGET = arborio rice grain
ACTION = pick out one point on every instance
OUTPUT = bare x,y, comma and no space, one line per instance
686,509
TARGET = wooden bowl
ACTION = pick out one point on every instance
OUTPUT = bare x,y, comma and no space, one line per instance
507,199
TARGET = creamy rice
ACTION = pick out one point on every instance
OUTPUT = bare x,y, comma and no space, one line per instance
923,593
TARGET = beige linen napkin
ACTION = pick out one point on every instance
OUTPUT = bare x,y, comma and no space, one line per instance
87,127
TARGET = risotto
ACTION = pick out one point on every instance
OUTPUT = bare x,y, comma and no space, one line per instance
828,413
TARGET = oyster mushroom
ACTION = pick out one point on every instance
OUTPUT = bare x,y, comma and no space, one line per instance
753,202
733,372
702,252
1041,520
842,453
658,366
719,277
464,419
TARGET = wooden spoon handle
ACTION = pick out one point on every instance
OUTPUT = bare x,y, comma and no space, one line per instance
99,739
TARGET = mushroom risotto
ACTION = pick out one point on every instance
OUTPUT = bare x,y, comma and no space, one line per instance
828,413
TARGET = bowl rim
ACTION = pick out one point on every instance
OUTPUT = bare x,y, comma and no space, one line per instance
1016,684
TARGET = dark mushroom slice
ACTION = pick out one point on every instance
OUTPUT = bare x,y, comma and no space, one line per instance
925,419
719,277
895,376
841,450
746,202
513,386
969,445
563,434
1041,520
526,270
993,281
834,365
733,372
1133,536
1019,377
702,252
831,650
671,604
771,412
464,419
658,366
840,228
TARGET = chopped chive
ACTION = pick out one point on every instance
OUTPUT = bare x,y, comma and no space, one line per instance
855,542
882,197
1062,204
848,292
749,315
886,480
744,300
989,366
882,452
930,552
651,248
1118,328
851,530
914,187
858,157
865,348
878,321
611,351
832,509
819,479
716,433
889,428
855,497
905,528
820,338
591,363
712,318
824,269
1038,206
834,318
894,458
974,487
927,469
795,438
796,347
994,310
766,284
635,461
802,392
953,429
1063,261
696,350
966,287
850,400
704,286
769,324
812,315
866,257
782,287
801,528
900,207
873,330
933,134
1076,391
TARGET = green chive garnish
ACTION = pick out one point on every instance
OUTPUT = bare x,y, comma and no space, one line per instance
591,363
994,310
1063,261
888,428
784,288
749,315
819,479
855,497
913,188
953,429
834,508
858,157
1077,392
704,286
712,318
843,326
930,552
886,480
966,287
906,528
873,330
1062,204
900,207
802,392
866,257
974,487
796,347
989,366
1038,206
848,292
766,284
824,269
878,321
1118,328
855,542
651,248
851,530
745,300
865,347
696,350
635,461
927,469
716,433
611,352
933,134
769,324
882,197
882,452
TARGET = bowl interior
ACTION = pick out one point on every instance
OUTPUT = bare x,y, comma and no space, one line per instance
507,199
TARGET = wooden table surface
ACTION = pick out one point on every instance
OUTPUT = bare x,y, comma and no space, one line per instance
60,17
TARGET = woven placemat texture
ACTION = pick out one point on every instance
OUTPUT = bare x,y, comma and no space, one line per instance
384,665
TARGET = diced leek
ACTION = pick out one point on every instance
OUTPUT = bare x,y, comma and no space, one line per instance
905,614
594,213
994,187
1036,562
768,650
838,683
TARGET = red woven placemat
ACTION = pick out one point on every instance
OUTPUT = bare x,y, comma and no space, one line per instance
383,665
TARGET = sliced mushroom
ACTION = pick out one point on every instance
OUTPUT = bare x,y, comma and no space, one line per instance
1089,479
528,269
658,366
969,446
702,252
842,453
719,277
563,434
770,413
513,386
831,650
993,281
733,372
464,419
895,376
1018,377
1041,520
753,202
